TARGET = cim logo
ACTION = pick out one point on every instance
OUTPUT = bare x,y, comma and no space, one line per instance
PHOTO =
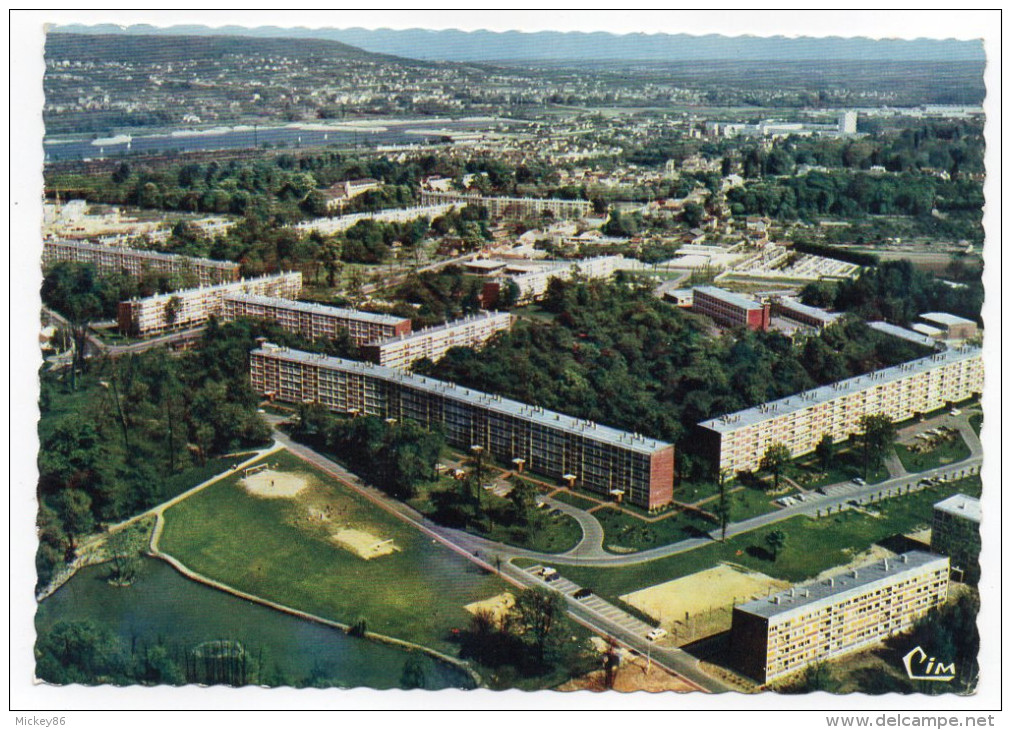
921,666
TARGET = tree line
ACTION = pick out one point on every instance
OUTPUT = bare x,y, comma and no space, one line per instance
615,354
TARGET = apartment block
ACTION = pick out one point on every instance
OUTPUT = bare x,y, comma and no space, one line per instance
315,321
954,531
135,262
505,207
730,308
776,636
583,453
191,307
738,440
401,351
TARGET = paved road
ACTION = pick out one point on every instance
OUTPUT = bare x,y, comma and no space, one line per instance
592,543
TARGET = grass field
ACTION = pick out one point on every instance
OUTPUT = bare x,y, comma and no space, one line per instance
947,452
624,533
976,421
574,499
812,545
845,465
272,548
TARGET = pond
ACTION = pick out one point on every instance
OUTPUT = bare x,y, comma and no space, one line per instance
162,604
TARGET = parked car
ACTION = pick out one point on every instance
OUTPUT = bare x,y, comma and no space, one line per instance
582,593
656,634
859,481
956,412
551,578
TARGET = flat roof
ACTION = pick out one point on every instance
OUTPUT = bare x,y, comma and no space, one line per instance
814,312
961,505
316,308
831,591
534,414
445,326
901,332
799,401
945,318
730,297
926,329
142,252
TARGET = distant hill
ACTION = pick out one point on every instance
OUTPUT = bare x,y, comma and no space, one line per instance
171,48
514,46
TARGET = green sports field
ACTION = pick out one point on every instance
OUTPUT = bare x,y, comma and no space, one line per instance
272,548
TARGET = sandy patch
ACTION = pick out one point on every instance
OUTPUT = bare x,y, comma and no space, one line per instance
631,676
497,606
363,544
274,484
716,588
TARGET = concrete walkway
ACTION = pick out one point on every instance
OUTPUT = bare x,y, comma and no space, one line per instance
592,543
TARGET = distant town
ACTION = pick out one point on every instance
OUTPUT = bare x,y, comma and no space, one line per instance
506,376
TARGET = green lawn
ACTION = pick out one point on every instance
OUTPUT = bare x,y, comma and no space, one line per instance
265,547
624,533
846,465
948,452
574,499
976,421
812,545
691,492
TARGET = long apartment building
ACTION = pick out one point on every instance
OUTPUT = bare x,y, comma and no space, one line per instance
954,531
401,351
738,440
583,453
778,635
315,321
505,207
533,285
191,307
135,262
730,308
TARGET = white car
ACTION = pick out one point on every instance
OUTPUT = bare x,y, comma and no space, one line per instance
656,634
956,412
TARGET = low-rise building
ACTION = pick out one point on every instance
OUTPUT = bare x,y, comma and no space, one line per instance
954,531
137,262
531,280
953,326
730,308
582,453
315,321
192,307
803,313
433,342
776,636
737,441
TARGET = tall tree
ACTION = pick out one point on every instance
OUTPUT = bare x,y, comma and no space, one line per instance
825,451
877,435
775,541
775,459
538,613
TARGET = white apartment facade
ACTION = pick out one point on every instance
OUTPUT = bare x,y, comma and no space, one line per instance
738,440
783,633
433,342
315,321
192,307
136,262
